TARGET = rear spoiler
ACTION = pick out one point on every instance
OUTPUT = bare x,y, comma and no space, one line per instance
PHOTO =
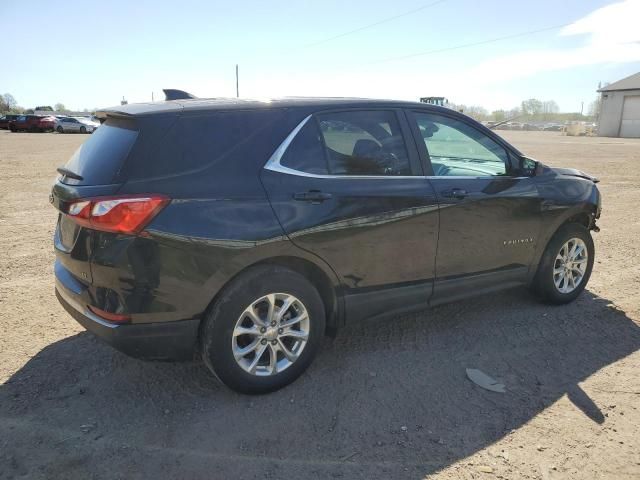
174,94
103,114
134,109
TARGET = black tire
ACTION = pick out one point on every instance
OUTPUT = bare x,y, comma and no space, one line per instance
60,129
13,129
219,323
83,130
544,284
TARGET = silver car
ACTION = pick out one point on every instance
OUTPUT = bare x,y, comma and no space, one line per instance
76,124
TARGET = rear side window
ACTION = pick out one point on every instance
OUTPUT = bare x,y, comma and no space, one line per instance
100,157
364,143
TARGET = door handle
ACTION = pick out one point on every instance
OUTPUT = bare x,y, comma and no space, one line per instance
313,196
458,193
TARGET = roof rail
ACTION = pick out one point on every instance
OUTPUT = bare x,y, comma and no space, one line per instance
174,94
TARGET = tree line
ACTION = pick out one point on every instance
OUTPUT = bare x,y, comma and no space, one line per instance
531,110
8,104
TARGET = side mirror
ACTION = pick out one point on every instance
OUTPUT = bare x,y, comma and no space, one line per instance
528,166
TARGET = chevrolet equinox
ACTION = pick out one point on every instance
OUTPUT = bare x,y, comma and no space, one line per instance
243,231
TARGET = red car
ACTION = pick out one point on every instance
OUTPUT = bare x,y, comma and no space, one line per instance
32,123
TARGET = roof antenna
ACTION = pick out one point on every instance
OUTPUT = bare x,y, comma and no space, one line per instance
174,94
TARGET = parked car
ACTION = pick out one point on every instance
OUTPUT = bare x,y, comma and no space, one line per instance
5,119
553,127
76,124
241,232
32,123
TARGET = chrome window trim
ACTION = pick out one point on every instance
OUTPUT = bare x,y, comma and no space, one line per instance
469,177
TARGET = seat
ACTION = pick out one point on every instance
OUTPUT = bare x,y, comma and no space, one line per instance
366,148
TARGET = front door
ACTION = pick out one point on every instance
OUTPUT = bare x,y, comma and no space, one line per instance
489,214
349,188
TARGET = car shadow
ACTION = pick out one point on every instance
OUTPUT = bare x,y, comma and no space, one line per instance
383,400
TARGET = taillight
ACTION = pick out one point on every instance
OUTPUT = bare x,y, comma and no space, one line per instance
127,215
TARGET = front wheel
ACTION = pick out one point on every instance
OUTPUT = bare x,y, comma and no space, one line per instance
60,129
566,265
264,330
83,130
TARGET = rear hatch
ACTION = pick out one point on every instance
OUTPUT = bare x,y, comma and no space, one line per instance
92,171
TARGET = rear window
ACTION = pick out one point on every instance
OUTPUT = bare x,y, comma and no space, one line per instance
99,159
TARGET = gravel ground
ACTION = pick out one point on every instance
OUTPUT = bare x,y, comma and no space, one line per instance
382,400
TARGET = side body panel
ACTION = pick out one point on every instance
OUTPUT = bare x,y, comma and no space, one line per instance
377,234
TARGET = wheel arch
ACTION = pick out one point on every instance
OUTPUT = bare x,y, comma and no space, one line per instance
318,276
320,280
584,215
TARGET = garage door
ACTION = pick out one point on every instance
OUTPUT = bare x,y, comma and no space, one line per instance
630,126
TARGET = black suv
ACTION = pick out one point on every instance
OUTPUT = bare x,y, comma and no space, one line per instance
243,231
6,119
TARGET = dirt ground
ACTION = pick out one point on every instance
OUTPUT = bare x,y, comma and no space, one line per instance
382,400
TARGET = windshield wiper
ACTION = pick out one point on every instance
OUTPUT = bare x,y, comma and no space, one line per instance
68,173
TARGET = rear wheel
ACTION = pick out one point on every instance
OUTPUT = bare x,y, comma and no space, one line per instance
566,264
264,330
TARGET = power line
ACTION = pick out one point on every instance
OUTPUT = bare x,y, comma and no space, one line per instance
474,44
379,22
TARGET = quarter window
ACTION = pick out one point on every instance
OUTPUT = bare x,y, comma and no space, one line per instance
364,143
306,153
457,149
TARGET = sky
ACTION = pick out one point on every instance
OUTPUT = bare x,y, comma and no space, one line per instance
493,53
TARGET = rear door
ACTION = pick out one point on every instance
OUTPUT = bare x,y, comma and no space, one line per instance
348,187
490,214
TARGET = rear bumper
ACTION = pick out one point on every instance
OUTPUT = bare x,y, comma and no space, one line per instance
152,341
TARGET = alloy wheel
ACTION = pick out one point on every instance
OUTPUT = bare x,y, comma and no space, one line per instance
570,265
270,334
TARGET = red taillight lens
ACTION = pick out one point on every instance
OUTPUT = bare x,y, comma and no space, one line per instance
127,215
110,317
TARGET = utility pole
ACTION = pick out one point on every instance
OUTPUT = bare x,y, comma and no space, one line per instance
581,108
237,86
152,96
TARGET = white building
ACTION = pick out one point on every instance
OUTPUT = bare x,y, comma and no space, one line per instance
620,108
